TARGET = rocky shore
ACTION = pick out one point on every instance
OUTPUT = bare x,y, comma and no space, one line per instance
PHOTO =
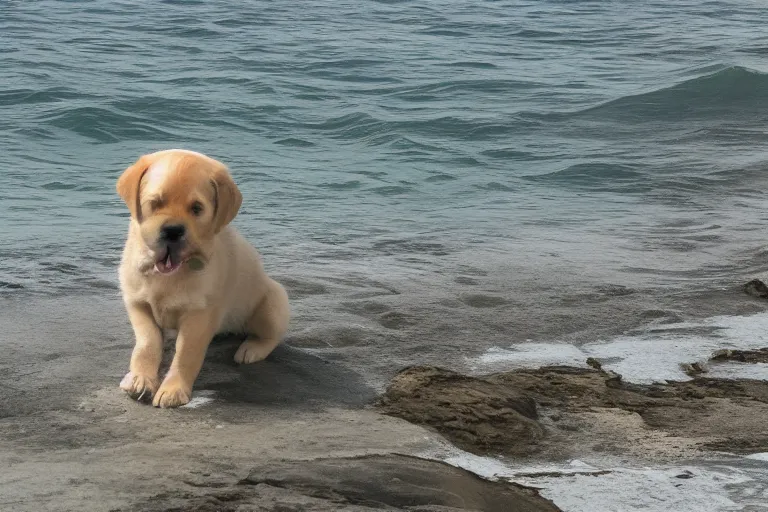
303,433
563,412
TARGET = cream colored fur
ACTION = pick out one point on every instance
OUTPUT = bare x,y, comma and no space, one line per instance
231,293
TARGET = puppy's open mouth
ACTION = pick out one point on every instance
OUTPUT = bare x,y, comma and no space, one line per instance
170,261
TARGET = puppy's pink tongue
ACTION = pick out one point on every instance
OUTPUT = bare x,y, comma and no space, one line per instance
166,265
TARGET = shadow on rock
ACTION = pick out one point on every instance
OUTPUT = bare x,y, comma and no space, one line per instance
380,482
288,377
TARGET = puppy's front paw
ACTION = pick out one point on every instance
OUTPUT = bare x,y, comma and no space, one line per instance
173,392
138,386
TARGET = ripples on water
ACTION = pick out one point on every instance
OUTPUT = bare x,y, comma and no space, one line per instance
391,139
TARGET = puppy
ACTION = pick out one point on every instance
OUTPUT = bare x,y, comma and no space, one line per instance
184,268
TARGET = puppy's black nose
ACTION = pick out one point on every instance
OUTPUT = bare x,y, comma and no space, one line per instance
172,232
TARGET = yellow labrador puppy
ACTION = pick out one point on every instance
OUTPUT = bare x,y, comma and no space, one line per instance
185,269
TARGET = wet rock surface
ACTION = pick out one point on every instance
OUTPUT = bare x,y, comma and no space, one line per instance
476,414
291,433
379,482
756,288
71,440
581,406
742,356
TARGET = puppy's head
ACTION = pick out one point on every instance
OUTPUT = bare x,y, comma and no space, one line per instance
180,200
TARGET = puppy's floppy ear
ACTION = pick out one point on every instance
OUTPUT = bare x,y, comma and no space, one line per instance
228,197
129,184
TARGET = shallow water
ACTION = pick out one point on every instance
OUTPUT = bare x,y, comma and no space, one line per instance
407,168
726,483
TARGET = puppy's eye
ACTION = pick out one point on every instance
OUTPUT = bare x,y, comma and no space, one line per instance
155,204
196,208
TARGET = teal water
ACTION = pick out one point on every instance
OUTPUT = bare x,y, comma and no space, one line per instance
394,145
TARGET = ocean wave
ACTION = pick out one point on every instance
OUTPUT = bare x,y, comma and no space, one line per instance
346,185
363,127
295,142
495,186
470,64
391,190
439,89
106,124
30,96
439,178
730,93
511,154
592,175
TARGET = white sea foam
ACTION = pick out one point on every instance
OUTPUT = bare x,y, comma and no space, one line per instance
654,355
596,486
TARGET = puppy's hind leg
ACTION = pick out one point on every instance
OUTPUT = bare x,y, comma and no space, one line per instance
266,327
